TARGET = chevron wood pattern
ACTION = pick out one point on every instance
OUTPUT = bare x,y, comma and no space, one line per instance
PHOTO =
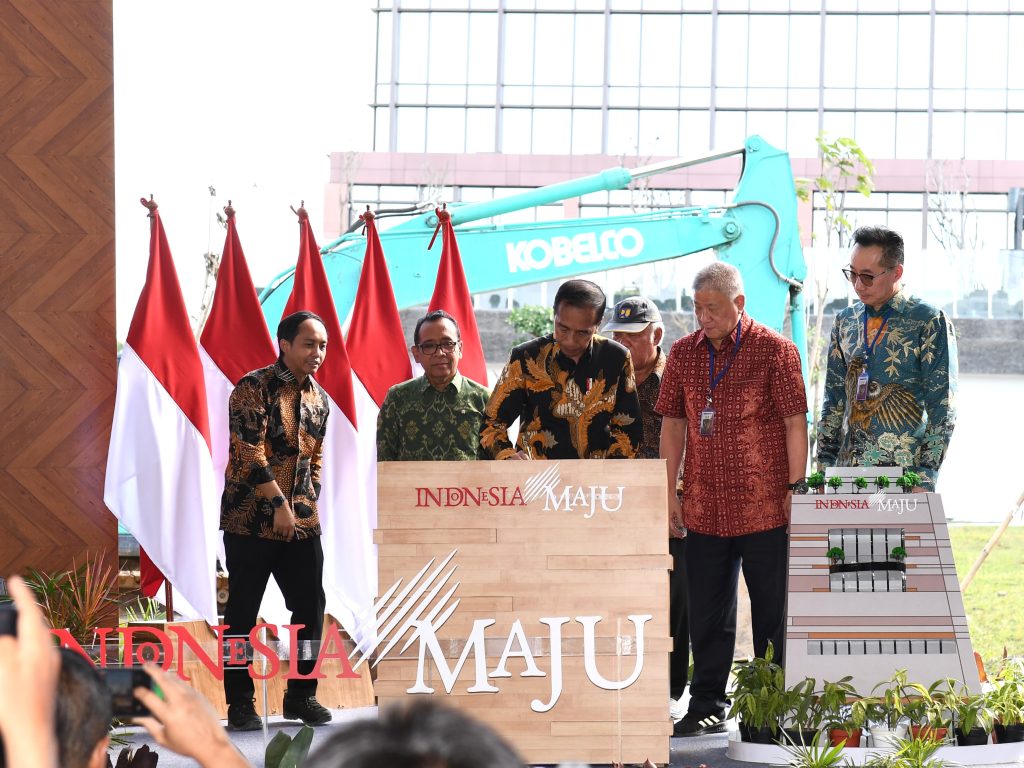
58,368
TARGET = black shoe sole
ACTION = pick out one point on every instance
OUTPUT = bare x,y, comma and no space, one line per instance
318,721
253,725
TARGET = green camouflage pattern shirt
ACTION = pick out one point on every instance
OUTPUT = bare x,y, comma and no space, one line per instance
419,423
909,413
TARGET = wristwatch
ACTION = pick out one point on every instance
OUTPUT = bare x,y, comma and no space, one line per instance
277,501
800,486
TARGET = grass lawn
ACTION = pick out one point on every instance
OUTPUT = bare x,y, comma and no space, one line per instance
995,598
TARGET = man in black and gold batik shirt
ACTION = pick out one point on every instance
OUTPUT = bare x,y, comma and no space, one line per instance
278,420
436,417
573,392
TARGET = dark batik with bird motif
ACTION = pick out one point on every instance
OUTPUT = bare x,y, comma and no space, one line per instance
908,414
277,433
567,410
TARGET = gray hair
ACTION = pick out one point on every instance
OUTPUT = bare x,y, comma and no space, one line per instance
721,277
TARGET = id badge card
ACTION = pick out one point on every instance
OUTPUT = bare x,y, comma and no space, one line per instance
707,422
862,386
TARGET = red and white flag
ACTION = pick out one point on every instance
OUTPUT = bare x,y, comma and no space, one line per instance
451,293
350,576
235,341
160,481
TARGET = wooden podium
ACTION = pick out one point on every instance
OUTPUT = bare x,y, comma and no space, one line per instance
522,570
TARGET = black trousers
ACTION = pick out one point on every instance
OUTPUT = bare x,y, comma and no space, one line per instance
712,571
298,568
679,660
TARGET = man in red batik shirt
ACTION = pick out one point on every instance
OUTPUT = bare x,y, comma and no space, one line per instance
734,405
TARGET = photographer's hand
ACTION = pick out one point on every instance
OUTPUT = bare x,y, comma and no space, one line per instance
184,722
29,669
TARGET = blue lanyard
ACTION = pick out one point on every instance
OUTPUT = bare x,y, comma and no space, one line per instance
870,348
713,380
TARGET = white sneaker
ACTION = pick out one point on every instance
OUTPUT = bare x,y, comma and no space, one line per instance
676,709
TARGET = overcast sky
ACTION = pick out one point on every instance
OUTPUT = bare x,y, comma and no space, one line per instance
247,97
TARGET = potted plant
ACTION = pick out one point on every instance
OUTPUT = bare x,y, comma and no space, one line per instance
836,555
899,554
814,756
835,483
908,480
844,724
758,697
859,484
801,717
1006,700
882,482
816,481
928,710
884,710
972,717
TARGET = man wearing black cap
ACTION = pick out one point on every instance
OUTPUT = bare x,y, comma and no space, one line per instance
636,325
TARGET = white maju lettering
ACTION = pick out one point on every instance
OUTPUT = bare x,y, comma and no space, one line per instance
586,497
517,645
584,248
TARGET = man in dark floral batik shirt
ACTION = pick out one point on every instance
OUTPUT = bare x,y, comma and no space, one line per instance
573,392
892,370
436,417
278,419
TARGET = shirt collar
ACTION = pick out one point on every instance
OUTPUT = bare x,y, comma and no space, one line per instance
284,374
424,385
587,353
731,338
895,304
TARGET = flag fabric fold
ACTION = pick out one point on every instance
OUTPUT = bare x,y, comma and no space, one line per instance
160,481
350,575
451,293
376,341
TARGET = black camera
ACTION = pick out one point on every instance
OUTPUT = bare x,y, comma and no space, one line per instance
8,619
122,682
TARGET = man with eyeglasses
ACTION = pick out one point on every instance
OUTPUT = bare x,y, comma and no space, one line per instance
892,370
436,417
574,392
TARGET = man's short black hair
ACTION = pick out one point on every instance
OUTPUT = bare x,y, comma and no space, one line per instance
424,734
288,328
437,314
888,240
582,294
84,709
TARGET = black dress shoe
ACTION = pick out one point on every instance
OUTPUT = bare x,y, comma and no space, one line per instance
242,716
698,725
307,709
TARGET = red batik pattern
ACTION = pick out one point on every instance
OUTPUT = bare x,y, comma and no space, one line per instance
734,482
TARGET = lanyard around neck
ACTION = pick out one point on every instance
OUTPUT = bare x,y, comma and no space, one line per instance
713,380
870,347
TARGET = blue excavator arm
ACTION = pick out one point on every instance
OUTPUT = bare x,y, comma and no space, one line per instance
756,232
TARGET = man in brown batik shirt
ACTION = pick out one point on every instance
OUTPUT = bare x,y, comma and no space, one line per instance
278,420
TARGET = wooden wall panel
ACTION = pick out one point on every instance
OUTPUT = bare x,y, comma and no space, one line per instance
57,346
524,562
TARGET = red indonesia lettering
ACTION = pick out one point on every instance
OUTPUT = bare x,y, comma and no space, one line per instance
137,654
333,637
65,640
214,666
273,662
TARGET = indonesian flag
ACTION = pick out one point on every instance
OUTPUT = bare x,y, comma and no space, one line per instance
350,576
451,293
379,357
160,481
235,341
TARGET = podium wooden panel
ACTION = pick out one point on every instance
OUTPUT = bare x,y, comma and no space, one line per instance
526,544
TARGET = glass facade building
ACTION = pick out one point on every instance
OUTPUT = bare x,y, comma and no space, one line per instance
931,90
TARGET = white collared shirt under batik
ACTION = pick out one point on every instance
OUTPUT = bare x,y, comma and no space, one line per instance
908,415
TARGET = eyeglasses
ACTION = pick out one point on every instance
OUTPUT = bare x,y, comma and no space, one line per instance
429,348
864,277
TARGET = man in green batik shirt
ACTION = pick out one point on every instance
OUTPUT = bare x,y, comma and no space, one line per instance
438,416
892,370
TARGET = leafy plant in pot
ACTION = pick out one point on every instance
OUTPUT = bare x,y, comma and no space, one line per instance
835,483
928,709
816,481
801,718
884,709
882,482
908,480
1006,700
843,721
972,717
758,697
836,556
